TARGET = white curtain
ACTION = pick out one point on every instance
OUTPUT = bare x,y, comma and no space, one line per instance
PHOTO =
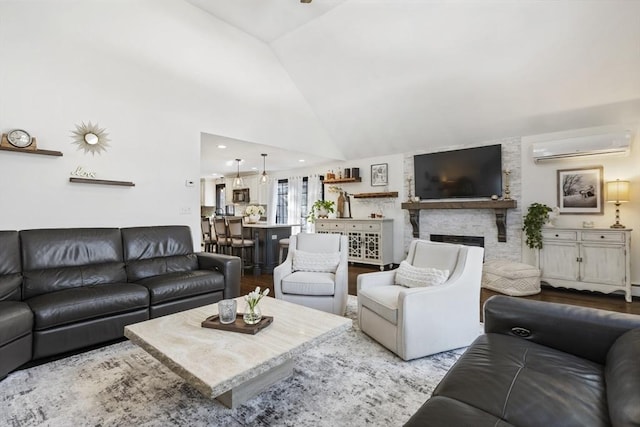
272,200
314,192
294,205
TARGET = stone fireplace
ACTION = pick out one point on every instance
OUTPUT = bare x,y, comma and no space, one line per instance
475,222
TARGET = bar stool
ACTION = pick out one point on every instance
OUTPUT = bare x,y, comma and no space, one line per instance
236,235
208,239
222,235
282,245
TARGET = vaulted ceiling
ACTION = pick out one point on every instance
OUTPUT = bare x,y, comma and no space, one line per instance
389,76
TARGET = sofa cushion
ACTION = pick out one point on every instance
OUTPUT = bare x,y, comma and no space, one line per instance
152,251
413,277
85,303
16,320
312,242
308,283
138,270
622,374
10,287
382,300
527,384
442,256
181,284
10,266
442,411
313,261
57,259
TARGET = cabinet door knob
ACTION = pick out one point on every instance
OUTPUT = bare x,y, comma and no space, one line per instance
557,235
602,237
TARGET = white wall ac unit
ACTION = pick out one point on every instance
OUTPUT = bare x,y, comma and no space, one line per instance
586,145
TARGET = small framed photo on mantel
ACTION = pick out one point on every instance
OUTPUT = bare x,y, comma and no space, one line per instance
379,174
580,191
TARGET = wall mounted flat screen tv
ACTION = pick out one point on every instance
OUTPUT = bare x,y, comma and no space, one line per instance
471,173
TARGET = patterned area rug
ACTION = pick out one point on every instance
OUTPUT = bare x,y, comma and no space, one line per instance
349,380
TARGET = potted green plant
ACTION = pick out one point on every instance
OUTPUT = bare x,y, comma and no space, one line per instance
320,209
537,216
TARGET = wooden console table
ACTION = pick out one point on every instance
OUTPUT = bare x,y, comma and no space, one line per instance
499,206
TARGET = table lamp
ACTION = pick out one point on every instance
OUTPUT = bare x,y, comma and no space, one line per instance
617,192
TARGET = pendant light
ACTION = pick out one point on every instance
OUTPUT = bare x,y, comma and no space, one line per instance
237,181
264,177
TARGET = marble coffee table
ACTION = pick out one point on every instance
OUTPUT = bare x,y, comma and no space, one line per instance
230,366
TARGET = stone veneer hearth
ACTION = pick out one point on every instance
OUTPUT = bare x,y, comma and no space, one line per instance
475,222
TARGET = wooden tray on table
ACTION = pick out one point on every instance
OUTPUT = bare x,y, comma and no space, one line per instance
213,322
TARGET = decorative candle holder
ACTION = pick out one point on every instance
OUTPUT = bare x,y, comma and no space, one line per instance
507,192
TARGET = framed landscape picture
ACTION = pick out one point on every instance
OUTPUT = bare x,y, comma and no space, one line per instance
380,174
580,191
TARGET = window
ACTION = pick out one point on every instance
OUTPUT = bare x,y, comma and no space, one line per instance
220,202
282,215
304,209
283,203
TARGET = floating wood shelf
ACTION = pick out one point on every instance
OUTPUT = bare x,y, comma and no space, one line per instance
42,152
462,204
101,182
375,195
500,207
342,180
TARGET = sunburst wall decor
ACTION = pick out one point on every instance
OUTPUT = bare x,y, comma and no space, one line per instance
90,138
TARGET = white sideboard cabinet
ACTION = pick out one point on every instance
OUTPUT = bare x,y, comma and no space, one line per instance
370,240
587,259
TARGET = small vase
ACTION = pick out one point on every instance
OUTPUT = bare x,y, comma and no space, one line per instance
253,219
251,315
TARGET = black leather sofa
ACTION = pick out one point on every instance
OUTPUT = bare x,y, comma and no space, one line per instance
66,289
542,364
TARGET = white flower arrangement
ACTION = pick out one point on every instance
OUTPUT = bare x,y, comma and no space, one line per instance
254,210
254,297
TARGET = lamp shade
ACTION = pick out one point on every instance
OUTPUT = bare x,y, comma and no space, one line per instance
618,191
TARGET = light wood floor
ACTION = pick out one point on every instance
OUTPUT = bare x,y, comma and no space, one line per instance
614,302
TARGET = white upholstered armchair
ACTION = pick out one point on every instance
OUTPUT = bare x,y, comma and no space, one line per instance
314,274
418,321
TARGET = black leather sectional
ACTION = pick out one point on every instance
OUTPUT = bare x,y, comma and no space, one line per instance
65,289
542,364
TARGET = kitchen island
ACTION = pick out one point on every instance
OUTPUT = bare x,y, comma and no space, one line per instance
266,238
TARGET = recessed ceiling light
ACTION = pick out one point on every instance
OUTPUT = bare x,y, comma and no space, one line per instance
301,160
254,168
222,146
229,162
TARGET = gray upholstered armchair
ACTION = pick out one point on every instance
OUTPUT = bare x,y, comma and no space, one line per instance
314,273
418,321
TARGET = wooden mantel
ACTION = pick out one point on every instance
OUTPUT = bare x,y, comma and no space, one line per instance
499,206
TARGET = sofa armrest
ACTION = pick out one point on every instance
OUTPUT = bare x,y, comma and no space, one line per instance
228,265
581,331
280,272
375,279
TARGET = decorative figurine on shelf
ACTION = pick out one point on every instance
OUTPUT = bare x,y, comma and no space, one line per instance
340,206
507,192
409,181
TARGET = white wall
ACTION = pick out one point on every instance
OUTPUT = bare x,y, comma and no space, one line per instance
539,183
155,74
